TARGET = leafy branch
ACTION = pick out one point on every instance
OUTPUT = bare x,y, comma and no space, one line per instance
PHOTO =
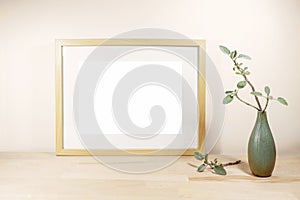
244,72
214,165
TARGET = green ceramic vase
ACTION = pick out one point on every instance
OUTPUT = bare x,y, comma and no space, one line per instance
261,148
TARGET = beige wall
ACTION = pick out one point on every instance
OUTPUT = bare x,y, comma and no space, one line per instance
268,30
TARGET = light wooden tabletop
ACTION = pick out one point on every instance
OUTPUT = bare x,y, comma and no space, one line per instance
46,176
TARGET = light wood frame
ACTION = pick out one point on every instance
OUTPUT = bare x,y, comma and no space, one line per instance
60,43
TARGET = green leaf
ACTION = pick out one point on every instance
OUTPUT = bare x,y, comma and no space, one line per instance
227,99
241,84
245,68
233,54
247,73
244,56
256,94
267,90
206,157
238,73
224,49
282,100
198,156
201,168
219,169
229,92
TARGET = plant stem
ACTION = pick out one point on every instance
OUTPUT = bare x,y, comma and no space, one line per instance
250,84
248,104
232,163
267,102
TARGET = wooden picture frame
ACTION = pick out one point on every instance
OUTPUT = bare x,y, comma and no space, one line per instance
61,43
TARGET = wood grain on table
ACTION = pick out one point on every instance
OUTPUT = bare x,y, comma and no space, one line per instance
46,176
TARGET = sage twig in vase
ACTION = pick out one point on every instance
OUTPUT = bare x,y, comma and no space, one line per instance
261,145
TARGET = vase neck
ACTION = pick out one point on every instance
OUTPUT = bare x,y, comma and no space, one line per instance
262,116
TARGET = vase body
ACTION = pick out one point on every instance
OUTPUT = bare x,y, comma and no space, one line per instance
261,148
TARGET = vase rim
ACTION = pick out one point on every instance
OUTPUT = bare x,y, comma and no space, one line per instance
260,111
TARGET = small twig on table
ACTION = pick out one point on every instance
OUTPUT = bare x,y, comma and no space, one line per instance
225,164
